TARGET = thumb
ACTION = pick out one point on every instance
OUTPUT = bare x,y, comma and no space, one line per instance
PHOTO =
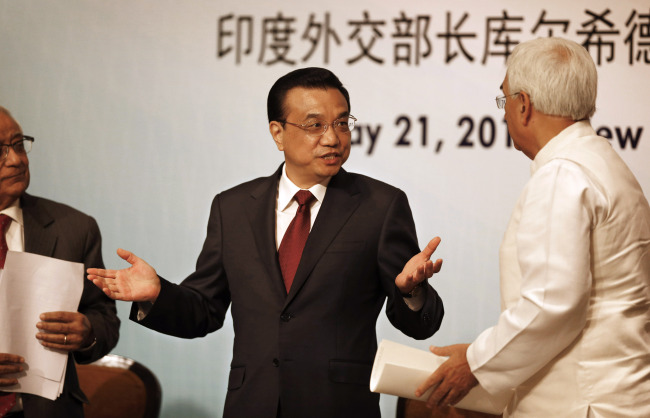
439,351
127,256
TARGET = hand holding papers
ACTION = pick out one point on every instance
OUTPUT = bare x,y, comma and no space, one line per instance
399,370
30,285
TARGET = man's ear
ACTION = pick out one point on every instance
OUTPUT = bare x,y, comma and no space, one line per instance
277,132
525,108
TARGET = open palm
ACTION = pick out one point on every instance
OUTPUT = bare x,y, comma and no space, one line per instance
138,283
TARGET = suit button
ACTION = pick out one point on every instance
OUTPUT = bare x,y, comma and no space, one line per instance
426,317
286,317
276,362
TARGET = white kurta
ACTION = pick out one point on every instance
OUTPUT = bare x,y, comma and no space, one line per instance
573,339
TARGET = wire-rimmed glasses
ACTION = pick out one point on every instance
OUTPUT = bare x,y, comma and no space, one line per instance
501,100
317,127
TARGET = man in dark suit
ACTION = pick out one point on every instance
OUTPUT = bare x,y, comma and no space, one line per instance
305,334
48,228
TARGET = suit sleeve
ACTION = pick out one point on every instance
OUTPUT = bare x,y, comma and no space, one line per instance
199,304
98,308
397,244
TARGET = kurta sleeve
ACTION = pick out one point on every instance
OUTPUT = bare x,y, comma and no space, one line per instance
548,243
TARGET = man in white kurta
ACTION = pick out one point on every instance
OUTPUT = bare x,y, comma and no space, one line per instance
573,339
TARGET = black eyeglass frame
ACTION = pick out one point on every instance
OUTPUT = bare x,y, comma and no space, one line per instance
20,147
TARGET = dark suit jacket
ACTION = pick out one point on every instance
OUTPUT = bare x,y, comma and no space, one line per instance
56,230
312,350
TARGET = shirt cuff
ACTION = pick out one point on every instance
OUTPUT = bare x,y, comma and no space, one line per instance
415,300
143,310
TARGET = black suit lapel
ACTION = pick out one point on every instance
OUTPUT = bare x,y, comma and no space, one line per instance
341,200
261,213
36,220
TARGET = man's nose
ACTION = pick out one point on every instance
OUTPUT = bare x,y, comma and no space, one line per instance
12,157
330,137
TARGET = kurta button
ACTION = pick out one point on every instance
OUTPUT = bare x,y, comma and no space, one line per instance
276,362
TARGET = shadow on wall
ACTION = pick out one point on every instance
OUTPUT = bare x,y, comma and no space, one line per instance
186,410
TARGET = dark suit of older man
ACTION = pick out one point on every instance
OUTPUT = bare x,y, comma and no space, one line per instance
44,227
59,231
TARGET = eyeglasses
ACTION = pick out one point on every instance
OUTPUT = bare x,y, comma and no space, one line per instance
501,100
22,146
316,127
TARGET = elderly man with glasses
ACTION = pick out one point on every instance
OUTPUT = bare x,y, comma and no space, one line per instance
305,258
573,339
41,226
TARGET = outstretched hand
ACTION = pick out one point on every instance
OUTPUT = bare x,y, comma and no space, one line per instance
138,283
419,268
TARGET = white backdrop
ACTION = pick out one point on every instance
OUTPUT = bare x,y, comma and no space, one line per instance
144,110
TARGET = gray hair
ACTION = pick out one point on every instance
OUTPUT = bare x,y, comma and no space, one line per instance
559,76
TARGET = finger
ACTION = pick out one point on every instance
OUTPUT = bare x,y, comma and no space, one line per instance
58,341
100,282
10,369
102,273
58,316
432,381
422,272
437,266
421,390
9,382
49,337
431,247
97,280
440,399
428,270
61,347
11,358
452,398
53,327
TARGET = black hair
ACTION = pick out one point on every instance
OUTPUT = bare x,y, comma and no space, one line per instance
310,78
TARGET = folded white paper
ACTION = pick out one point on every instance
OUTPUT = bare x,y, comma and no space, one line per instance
30,285
399,370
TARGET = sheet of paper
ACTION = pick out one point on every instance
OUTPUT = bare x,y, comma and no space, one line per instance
31,284
399,370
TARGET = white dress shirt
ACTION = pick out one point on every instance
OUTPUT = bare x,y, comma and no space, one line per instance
286,208
15,237
15,234
573,339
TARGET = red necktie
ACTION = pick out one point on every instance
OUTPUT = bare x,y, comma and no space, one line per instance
295,238
6,401
5,221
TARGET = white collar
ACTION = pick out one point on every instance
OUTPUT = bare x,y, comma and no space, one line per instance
15,212
287,190
559,142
